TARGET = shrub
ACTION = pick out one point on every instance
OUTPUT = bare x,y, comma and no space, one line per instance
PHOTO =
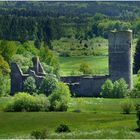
39,134
120,88
24,61
48,85
134,93
4,85
43,102
30,85
85,68
137,86
107,89
26,102
117,90
138,115
60,97
62,128
126,106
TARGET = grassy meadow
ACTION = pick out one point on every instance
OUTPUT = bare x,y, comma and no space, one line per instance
68,65
86,117
98,63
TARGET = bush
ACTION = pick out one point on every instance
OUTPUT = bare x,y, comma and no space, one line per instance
62,128
138,115
134,93
26,102
30,85
60,97
39,134
107,89
120,89
48,85
4,85
117,90
85,68
126,106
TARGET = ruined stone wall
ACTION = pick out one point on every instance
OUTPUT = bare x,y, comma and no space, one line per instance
18,78
85,86
120,66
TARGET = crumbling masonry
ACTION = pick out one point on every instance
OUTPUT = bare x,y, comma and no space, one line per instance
120,66
18,78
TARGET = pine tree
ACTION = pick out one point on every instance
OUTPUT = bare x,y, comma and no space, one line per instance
137,57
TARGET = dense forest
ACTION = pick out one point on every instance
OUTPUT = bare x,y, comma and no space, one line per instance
46,21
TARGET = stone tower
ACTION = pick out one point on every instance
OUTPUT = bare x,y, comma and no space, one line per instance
120,64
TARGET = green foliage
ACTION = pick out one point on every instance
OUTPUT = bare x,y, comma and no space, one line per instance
120,88
107,89
135,92
26,102
48,69
137,86
4,77
48,84
30,85
105,25
24,62
138,115
67,47
4,67
30,48
137,57
48,57
85,68
7,49
62,128
126,106
4,85
39,134
60,97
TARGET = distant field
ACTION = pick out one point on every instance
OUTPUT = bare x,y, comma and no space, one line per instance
99,64
86,117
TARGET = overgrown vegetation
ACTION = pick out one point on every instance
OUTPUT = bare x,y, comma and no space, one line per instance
118,89
58,100
30,85
138,116
62,128
60,97
137,57
126,106
39,134
26,102
48,85
85,68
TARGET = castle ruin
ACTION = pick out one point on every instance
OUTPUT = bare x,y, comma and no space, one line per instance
120,66
18,77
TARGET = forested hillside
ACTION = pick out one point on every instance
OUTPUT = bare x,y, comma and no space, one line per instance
46,21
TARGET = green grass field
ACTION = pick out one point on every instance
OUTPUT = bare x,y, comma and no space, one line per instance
86,117
99,64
